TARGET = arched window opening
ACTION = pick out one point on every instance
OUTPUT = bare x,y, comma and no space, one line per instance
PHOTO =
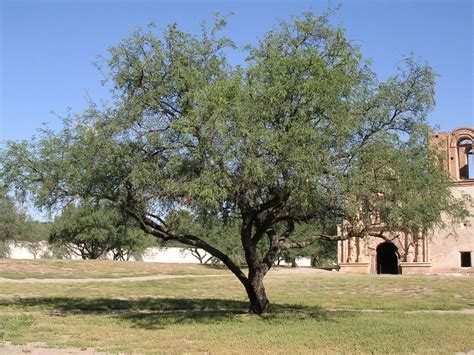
466,159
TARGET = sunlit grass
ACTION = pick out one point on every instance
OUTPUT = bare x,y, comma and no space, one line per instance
312,313
71,269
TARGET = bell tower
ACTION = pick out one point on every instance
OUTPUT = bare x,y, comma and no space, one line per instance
457,148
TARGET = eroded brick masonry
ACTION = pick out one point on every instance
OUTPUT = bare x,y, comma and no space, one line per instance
448,250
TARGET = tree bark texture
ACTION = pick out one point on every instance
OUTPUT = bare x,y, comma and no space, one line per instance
259,303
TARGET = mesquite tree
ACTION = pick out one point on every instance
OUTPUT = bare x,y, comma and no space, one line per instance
95,231
300,132
12,224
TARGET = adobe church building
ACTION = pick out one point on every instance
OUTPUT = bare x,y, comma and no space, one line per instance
443,251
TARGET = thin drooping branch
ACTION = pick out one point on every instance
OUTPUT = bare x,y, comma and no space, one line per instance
377,231
290,227
314,239
164,233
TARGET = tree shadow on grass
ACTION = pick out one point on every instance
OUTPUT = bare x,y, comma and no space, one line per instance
117,305
233,311
156,313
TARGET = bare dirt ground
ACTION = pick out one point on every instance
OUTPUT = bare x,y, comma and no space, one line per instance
36,349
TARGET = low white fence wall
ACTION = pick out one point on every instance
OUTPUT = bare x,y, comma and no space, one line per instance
170,255
157,255
21,250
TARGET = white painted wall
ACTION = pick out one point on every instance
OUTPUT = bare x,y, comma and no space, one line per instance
19,252
169,255
302,262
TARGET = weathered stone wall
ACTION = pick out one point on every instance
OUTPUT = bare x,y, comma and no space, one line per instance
445,245
441,251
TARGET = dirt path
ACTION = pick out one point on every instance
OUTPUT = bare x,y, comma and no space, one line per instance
274,271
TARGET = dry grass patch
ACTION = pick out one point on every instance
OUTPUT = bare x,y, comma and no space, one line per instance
21,269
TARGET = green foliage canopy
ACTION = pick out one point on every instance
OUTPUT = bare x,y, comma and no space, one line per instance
92,231
12,222
223,234
302,132
16,227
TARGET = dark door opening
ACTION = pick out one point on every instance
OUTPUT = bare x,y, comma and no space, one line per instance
466,259
387,261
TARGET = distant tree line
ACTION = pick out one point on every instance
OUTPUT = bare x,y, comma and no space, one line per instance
17,227
93,231
225,232
86,230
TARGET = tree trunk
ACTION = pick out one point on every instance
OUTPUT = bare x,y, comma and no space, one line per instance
253,283
259,303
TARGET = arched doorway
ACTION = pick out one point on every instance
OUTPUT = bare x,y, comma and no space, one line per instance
387,261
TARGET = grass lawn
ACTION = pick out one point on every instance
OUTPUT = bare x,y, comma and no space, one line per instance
71,269
313,313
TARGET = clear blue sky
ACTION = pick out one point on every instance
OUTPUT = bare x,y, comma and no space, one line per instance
47,46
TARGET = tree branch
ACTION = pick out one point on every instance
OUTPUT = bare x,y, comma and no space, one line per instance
313,239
